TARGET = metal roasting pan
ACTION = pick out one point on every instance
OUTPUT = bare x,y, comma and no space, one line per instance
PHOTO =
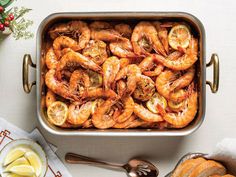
128,17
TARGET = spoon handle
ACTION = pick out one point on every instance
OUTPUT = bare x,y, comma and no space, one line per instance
79,159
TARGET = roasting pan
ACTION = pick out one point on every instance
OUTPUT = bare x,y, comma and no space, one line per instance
128,17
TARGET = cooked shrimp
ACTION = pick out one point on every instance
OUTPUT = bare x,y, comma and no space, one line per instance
121,88
145,114
69,125
98,93
128,109
88,123
156,72
181,94
51,59
126,123
124,62
77,114
145,88
99,25
59,87
123,49
62,42
110,68
147,32
50,98
96,50
182,119
77,58
124,29
131,72
163,35
101,117
79,80
59,29
81,31
184,62
183,80
148,63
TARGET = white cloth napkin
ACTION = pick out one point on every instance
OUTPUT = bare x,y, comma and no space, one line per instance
9,132
225,152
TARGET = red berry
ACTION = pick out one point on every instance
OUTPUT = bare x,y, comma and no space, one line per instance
2,28
6,23
7,19
11,17
1,9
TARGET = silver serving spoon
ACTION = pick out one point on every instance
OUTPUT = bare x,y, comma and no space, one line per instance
134,168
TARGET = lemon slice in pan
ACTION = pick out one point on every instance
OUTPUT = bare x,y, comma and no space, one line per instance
179,37
57,113
156,100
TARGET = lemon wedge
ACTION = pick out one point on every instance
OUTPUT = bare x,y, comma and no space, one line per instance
20,161
15,175
57,113
34,161
23,170
13,155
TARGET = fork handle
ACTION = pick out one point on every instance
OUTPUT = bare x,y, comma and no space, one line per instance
79,159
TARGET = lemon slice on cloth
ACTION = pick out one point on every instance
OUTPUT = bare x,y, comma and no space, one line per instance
57,113
179,37
156,100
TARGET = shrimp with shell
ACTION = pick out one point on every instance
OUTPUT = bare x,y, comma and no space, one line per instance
78,114
59,87
128,109
185,61
145,38
110,68
184,117
123,49
103,117
124,29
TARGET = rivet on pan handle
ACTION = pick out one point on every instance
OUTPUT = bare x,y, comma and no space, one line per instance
216,73
27,61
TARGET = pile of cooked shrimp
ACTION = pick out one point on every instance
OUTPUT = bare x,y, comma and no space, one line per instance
116,75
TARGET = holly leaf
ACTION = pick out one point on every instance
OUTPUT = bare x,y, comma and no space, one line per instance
5,3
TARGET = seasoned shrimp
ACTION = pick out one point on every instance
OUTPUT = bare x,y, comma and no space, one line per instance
124,62
124,29
123,49
163,35
145,32
50,98
98,93
131,72
77,58
59,87
128,109
59,29
100,25
51,59
77,114
126,123
148,63
62,42
103,116
79,80
96,50
88,123
145,88
184,62
183,80
121,88
183,118
110,68
145,114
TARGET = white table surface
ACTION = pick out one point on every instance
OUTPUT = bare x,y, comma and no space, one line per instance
219,19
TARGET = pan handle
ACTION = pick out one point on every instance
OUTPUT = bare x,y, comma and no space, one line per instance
216,73
27,61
